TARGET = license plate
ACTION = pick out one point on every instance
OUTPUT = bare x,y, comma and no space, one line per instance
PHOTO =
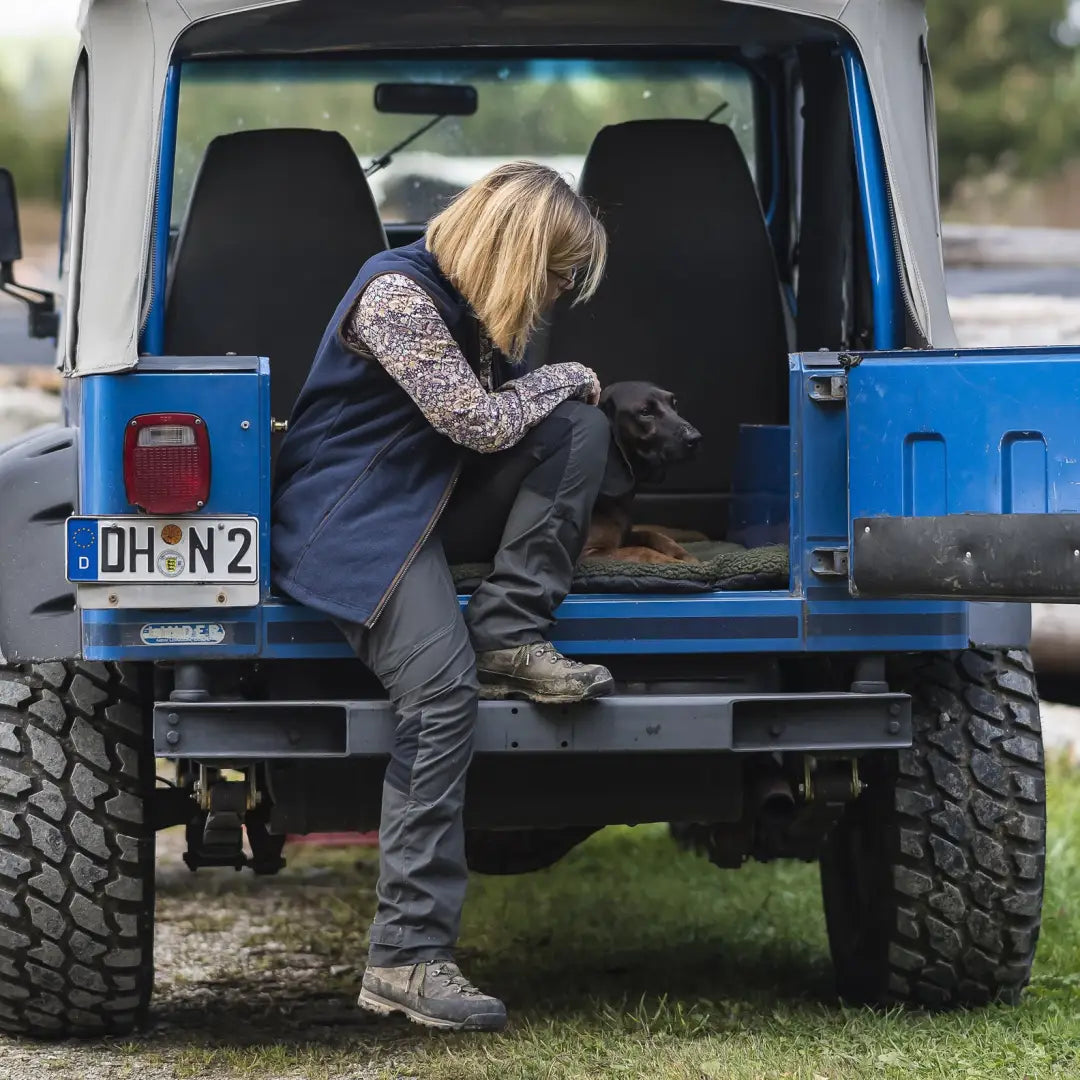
186,550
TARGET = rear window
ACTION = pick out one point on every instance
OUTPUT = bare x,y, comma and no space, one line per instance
542,110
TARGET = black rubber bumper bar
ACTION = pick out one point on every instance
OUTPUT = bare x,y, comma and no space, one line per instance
645,724
1023,557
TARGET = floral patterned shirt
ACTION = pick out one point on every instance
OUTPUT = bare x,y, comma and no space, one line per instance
397,322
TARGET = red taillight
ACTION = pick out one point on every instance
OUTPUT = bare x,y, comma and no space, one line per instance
167,463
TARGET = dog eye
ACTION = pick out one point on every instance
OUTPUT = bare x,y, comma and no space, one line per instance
645,410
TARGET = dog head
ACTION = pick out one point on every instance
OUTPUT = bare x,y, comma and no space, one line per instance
648,427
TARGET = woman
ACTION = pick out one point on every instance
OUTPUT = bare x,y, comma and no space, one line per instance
407,448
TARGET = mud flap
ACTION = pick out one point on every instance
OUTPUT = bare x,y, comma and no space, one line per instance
1024,557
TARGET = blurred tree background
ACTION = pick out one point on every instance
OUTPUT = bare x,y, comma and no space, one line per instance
1007,76
35,81
1007,83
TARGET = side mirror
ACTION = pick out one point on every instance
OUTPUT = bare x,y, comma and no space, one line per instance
10,241
44,318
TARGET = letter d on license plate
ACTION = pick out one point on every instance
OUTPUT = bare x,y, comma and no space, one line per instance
189,550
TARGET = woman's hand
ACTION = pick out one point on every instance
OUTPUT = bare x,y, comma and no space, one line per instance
591,393
588,384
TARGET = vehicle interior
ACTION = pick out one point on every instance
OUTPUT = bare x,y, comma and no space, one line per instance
727,185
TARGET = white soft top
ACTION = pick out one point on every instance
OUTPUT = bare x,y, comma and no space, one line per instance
129,45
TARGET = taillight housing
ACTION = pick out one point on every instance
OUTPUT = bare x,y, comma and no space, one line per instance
167,463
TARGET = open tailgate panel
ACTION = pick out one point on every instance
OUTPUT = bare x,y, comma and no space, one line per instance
964,474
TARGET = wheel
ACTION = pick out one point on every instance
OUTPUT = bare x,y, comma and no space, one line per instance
76,850
520,851
933,878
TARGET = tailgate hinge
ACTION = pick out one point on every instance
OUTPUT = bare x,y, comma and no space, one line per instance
829,562
827,389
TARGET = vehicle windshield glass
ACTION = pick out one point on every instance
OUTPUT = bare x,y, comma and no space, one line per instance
543,110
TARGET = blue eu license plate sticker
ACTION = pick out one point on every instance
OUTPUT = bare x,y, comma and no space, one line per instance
184,550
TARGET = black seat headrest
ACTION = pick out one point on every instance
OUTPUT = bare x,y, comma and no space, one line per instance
691,298
278,224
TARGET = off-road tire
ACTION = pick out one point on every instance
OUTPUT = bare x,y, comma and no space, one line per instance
933,878
76,850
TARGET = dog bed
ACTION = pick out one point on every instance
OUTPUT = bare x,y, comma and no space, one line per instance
722,565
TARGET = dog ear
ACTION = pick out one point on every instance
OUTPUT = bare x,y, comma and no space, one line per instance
607,402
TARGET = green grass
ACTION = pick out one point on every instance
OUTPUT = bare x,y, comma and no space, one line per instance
629,959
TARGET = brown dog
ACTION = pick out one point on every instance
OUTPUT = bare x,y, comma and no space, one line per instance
648,435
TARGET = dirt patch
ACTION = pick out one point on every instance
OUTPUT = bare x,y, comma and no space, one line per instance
250,971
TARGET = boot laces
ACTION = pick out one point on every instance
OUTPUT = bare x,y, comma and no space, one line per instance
545,648
450,975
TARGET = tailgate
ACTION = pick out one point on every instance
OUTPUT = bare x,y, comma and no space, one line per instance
964,474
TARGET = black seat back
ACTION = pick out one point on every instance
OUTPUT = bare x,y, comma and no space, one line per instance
278,225
691,298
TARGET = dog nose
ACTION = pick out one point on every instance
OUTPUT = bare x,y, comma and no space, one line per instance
691,437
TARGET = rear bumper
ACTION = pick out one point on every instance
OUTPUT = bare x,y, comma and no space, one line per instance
826,620
623,724
1025,557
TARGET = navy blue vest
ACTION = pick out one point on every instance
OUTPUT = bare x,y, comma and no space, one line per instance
362,476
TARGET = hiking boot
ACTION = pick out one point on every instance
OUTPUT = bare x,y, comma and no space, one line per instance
541,673
434,994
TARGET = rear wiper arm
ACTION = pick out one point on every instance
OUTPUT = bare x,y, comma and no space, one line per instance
383,160
718,110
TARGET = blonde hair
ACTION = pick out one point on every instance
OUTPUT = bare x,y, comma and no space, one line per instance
500,237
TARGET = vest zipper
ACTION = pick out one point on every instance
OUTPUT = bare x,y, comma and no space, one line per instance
416,547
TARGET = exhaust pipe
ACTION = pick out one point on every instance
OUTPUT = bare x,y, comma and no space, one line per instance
773,797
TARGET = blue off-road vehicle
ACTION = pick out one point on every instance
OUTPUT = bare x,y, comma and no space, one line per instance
842,675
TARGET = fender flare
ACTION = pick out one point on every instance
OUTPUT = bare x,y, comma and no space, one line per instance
39,490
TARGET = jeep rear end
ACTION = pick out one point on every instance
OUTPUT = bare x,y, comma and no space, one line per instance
855,689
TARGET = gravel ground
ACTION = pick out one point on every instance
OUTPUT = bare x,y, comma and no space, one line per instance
246,966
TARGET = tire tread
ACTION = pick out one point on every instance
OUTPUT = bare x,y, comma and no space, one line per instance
965,834
72,752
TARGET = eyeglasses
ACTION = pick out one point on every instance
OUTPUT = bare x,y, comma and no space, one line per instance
565,280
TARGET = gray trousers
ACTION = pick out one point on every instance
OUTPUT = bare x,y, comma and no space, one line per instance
528,508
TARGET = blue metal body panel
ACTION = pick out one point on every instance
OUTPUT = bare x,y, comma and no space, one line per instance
877,212
836,622
153,335
816,616
977,431
239,455
767,622
240,484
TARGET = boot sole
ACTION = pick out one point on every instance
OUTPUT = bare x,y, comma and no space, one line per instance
381,1006
501,692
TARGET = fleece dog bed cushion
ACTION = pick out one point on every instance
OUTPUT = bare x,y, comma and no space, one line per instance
722,565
